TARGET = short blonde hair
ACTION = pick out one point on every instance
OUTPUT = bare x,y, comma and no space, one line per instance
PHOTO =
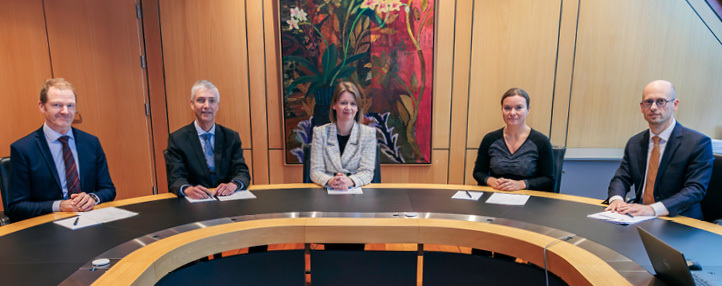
59,83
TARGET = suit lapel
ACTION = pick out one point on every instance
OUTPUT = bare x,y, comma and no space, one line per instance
84,158
351,145
332,148
197,149
672,145
44,151
218,152
642,163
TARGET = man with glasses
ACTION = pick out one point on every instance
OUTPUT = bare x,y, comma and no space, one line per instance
57,167
669,165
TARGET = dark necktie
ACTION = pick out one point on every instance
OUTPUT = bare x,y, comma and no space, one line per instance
71,171
648,197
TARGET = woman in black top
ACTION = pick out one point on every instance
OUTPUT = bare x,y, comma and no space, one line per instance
515,157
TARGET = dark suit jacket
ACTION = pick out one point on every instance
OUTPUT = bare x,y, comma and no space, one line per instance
35,183
683,176
187,164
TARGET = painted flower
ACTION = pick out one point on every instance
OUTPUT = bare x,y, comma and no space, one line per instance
371,4
293,23
383,6
395,5
298,14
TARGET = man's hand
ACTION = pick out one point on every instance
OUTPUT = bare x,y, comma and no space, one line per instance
82,202
226,189
198,192
615,205
636,210
68,206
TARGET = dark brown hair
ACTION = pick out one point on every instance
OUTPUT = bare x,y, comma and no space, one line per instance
515,91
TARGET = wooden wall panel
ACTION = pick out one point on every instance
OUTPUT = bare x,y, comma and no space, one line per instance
257,81
513,45
460,90
436,173
156,89
443,75
96,45
273,74
564,72
206,40
281,173
25,65
623,45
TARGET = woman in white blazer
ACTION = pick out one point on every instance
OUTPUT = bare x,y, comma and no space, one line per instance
343,152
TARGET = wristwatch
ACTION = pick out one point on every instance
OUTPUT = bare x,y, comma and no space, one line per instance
95,198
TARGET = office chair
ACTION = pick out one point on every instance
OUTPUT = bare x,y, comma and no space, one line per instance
713,200
307,165
558,152
4,183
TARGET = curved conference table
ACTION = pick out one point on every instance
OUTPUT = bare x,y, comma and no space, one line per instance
170,232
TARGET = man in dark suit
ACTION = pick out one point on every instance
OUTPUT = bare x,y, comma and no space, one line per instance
57,167
203,154
669,165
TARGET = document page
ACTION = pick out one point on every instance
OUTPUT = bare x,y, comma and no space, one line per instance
467,195
238,195
107,214
192,200
617,218
76,222
507,199
351,191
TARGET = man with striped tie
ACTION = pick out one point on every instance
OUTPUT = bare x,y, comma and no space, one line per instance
204,155
57,167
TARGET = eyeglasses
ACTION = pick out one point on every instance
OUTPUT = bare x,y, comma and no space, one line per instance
660,102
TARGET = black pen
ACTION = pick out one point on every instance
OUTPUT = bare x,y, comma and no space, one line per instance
76,221
468,194
629,215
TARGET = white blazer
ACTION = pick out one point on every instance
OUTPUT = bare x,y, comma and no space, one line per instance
359,156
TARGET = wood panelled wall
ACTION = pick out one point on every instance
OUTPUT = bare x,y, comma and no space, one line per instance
583,62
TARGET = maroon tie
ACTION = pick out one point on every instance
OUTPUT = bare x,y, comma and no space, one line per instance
71,172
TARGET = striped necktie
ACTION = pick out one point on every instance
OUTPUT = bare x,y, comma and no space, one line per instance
71,171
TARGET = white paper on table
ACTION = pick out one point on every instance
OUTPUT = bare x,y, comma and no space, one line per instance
618,218
192,200
82,222
107,214
351,191
507,199
465,195
238,195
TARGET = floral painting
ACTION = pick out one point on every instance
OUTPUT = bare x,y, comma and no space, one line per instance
385,47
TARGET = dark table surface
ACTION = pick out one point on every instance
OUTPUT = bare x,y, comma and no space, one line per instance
47,254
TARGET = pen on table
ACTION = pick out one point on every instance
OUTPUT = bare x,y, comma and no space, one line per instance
629,215
76,221
468,194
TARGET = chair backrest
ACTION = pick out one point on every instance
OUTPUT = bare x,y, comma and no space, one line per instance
4,180
167,166
558,152
713,200
307,165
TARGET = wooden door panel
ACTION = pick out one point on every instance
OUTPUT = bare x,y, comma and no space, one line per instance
96,46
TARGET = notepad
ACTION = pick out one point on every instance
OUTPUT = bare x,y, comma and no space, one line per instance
617,218
507,199
467,195
238,195
351,191
95,217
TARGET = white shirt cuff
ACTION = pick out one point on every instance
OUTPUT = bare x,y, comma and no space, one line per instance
180,191
614,198
659,209
56,206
